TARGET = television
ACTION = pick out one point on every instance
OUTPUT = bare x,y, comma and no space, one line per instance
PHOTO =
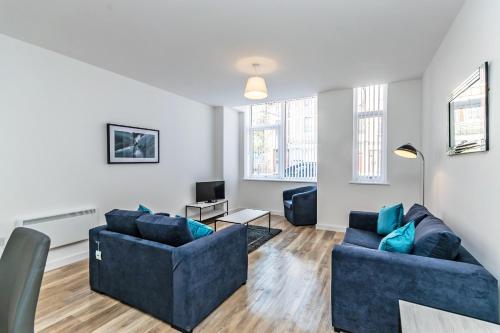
210,191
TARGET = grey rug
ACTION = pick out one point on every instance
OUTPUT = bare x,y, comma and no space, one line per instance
258,235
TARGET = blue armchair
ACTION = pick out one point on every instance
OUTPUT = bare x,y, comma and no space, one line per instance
300,205
367,283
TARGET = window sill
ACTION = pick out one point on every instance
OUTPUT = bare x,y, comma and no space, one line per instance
369,183
282,180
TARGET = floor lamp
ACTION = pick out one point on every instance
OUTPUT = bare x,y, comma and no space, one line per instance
408,151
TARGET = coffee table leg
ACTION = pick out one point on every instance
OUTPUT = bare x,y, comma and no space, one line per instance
269,215
215,225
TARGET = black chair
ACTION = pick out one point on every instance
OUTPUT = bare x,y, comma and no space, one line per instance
21,271
300,205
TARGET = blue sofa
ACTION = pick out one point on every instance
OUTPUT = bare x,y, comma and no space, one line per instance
300,205
179,285
367,283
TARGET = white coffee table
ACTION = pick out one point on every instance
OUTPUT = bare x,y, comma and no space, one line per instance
244,216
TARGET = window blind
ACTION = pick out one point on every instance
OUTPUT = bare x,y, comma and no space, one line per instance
301,139
369,134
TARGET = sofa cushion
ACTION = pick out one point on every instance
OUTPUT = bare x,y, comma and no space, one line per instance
400,240
434,239
172,231
163,214
198,229
144,209
362,238
389,219
288,204
416,213
123,221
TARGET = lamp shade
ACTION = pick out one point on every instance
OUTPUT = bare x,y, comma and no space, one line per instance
256,88
406,151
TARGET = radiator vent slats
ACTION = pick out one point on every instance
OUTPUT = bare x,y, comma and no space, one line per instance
63,228
58,217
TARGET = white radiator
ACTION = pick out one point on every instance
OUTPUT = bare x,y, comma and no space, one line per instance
63,228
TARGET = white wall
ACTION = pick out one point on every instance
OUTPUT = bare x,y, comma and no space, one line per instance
336,195
464,190
227,151
231,162
53,112
267,195
219,141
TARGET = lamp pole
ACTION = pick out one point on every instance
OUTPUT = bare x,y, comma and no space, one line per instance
409,151
423,176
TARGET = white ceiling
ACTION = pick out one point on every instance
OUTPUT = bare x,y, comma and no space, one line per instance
195,48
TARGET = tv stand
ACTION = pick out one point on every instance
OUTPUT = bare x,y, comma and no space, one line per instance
207,210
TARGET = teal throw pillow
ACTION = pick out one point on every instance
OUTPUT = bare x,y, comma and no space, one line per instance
400,240
144,209
198,229
389,219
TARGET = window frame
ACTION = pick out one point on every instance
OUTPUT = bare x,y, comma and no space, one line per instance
281,130
250,138
356,177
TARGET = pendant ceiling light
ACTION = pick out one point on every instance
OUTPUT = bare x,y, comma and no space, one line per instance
256,86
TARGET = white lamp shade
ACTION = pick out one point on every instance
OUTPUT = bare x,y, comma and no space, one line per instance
256,88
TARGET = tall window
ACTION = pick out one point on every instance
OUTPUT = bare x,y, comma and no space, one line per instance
281,140
370,134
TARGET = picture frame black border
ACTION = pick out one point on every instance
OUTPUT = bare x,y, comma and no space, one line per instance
108,125
487,112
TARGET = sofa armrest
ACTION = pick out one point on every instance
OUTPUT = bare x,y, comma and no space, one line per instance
363,220
288,194
367,284
133,270
206,272
93,263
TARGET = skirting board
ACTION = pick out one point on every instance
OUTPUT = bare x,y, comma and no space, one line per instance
330,227
57,263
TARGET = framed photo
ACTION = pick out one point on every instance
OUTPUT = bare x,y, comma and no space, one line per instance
128,144
468,114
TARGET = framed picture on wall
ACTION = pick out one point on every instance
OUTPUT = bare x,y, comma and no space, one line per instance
468,114
128,144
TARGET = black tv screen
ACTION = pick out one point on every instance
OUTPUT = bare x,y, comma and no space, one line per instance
210,191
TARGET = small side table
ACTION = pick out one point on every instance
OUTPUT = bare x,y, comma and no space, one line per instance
208,210
417,318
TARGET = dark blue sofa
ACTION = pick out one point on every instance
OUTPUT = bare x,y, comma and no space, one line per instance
367,283
300,205
179,285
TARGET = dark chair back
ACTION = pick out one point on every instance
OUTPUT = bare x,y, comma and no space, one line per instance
300,205
21,271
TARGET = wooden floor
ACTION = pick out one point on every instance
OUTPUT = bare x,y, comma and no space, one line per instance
288,290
